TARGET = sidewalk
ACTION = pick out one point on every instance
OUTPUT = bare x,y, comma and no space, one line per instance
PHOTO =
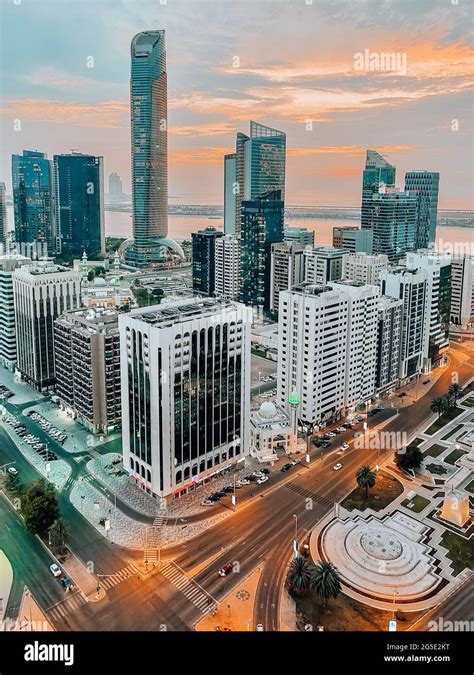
235,611
83,578
6,580
30,616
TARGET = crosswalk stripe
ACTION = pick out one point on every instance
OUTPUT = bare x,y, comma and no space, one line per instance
189,589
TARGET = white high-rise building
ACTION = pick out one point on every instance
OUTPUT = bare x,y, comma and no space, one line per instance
410,286
8,264
438,302
41,291
462,290
363,267
185,371
227,267
287,269
323,264
388,344
327,343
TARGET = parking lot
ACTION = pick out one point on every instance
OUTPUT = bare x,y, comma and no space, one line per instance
41,449
49,428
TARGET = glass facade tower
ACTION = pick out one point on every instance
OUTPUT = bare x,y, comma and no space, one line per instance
426,185
377,172
149,114
33,199
262,226
79,189
260,165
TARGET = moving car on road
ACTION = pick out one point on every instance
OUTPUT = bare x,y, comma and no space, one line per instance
225,570
337,466
55,570
344,446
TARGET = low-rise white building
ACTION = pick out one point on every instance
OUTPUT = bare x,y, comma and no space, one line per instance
270,431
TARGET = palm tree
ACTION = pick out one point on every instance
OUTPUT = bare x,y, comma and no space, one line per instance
365,478
437,405
58,533
299,575
455,390
325,581
448,402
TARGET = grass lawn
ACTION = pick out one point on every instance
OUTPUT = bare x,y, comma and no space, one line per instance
469,402
417,442
454,455
437,469
419,503
453,431
461,551
470,387
434,450
470,487
443,420
345,614
385,490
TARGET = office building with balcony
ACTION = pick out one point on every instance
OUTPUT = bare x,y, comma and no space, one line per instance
363,267
287,269
323,264
227,267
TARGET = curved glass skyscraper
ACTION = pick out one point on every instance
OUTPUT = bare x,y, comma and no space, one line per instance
149,111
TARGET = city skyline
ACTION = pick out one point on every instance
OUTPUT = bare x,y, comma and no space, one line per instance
330,108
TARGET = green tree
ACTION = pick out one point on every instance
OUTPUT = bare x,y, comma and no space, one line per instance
410,459
437,405
366,478
325,581
39,507
455,390
58,533
13,483
299,575
448,402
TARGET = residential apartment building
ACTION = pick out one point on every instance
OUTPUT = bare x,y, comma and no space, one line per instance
363,267
462,290
389,328
204,259
8,264
298,235
323,264
287,269
227,267
327,343
353,239
87,363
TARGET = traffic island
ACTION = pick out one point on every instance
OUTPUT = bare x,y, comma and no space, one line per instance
235,611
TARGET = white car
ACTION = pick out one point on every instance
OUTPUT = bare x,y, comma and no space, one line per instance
337,466
55,571
331,434
12,470
244,481
341,429
344,446
260,628
261,480
207,502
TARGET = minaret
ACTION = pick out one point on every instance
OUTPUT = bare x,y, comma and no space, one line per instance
84,268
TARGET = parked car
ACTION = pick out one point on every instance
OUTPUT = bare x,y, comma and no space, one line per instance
12,470
244,481
341,429
344,446
55,570
207,502
337,466
331,434
261,480
260,628
285,467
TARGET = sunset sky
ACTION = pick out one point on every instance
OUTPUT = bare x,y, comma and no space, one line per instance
295,62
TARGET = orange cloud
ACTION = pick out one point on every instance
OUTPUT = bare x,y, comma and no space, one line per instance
345,150
107,114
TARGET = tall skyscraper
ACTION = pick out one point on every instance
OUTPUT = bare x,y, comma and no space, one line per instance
185,392
259,165
87,366
79,190
115,185
3,218
262,226
378,172
33,201
230,178
390,319
327,340
426,185
149,125
204,259
41,292
393,217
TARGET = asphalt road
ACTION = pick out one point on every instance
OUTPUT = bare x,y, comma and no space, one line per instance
259,533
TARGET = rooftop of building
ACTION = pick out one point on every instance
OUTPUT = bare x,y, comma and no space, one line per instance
182,310
43,267
93,318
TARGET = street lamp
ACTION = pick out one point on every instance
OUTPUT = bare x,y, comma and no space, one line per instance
295,541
